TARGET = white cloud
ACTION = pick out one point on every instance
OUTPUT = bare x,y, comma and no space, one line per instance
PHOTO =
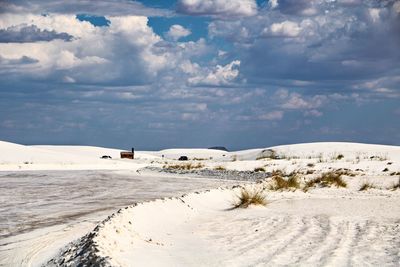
220,8
396,7
221,75
124,50
273,115
177,31
273,3
374,13
313,113
296,101
283,29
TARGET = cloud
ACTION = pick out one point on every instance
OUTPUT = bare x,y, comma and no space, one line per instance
273,115
296,101
100,7
27,34
313,113
283,29
17,61
273,3
221,75
124,51
176,32
218,8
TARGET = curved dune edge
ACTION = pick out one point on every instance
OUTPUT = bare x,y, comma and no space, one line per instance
137,223
336,225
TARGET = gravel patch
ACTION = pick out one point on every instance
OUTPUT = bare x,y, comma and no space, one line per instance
217,174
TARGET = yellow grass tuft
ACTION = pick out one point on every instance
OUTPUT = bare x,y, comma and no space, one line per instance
249,197
327,179
186,166
220,168
366,186
284,182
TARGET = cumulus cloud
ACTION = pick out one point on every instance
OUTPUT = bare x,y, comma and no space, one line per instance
283,29
219,8
26,34
296,101
313,113
273,3
99,7
122,52
221,75
176,32
273,115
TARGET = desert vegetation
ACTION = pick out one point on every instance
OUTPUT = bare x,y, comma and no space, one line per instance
365,186
396,185
249,197
327,179
282,181
186,166
220,168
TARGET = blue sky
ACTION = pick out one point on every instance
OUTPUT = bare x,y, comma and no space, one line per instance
160,74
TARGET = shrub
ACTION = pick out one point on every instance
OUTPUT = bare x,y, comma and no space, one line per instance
339,157
327,179
385,170
259,169
268,154
187,166
220,168
396,186
284,182
366,186
311,165
249,197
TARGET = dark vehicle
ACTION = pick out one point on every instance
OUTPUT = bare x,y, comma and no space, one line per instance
183,158
106,157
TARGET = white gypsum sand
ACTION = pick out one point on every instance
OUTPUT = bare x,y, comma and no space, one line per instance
322,226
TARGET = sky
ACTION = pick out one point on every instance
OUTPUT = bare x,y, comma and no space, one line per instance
199,73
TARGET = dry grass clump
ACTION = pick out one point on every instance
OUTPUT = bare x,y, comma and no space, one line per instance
366,186
259,169
249,197
396,186
310,171
220,168
268,154
327,179
344,171
186,166
339,157
282,181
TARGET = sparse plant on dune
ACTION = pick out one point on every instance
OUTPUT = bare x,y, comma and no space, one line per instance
339,157
366,186
396,186
186,166
327,179
281,181
220,168
259,169
249,197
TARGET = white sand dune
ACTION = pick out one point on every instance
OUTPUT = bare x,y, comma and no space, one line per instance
320,227
21,157
327,228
